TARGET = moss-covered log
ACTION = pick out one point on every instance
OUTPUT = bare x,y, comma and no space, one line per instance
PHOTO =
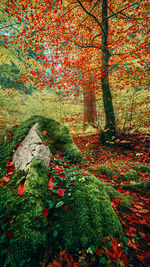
143,185
90,215
56,136
125,201
126,175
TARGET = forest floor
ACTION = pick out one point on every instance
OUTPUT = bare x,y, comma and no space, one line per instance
134,249
136,222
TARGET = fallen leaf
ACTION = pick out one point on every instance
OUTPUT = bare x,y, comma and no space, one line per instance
61,192
51,183
1,182
45,212
58,168
6,179
21,189
99,251
65,207
143,236
44,132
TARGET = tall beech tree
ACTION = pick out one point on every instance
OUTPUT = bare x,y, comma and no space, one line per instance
102,22
113,34
110,128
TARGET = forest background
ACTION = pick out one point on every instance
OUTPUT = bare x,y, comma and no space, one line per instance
51,63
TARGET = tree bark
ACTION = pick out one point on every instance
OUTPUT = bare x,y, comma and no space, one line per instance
108,135
89,96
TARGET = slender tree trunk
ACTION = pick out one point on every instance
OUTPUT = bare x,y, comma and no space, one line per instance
89,96
109,133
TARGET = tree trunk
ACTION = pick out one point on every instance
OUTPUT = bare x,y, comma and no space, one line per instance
89,96
107,136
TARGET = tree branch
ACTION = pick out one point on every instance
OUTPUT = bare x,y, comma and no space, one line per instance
91,15
95,37
114,14
87,46
90,12
10,25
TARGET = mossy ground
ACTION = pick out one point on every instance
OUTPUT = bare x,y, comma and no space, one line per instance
24,229
26,233
123,173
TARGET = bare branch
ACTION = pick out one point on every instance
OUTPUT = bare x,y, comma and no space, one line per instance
87,46
95,37
120,12
90,12
7,26
94,17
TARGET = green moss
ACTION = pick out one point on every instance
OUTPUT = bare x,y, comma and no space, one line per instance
58,132
103,169
89,217
129,176
71,152
143,185
126,201
142,168
23,215
110,171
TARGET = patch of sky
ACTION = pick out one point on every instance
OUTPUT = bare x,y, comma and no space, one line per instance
130,35
111,50
49,73
135,5
148,48
64,43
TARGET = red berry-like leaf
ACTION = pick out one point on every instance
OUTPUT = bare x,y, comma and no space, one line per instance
45,212
21,189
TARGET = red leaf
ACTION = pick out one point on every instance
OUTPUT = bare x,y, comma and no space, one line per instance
58,168
99,252
44,132
120,189
68,258
6,179
143,236
45,212
115,251
1,182
143,211
146,218
61,192
65,207
132,244
21,189
102,176
71,183
9,164
115,202
51,183
130,231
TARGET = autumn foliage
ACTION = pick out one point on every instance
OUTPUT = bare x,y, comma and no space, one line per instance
88,61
